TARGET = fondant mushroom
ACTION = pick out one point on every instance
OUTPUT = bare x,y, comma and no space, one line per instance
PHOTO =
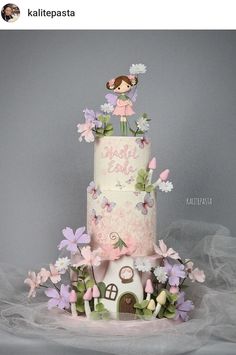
96,294
162,177
72,300
152,166
151,305
87,297
161,300
149,289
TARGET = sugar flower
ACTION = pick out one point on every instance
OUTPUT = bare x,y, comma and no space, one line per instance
163,252
91,123
44,274
73,239
90,258
55,275
142,124
183,307
174,272
194,274
60,300
166,186
160,273
86,130
107,108
33,280
92,117
137,69
62,264
142,264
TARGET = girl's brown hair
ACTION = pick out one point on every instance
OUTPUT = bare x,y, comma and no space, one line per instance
118,81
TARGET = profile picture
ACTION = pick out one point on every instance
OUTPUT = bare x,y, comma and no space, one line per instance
10,12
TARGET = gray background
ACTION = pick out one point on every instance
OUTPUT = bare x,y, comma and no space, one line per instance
48,78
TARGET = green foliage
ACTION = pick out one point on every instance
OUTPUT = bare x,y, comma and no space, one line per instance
169,309
106,129
100,312
142,181
84,282
142,311
120,244
102,288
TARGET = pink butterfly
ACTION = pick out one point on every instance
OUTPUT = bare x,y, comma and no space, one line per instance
142,141
131,179
143,206
95,218
106,204
93,190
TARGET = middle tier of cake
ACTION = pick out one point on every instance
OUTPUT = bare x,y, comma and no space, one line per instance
128,214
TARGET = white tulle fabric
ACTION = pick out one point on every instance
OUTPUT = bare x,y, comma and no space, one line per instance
211,247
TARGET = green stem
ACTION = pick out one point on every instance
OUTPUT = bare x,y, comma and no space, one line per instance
93,275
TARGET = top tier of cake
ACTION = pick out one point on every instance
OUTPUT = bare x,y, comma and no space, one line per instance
117,161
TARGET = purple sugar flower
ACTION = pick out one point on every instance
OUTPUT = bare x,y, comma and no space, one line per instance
175,272
92,117
182,307
73,239
60,300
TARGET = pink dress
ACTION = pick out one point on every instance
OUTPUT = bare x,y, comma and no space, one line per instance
123,108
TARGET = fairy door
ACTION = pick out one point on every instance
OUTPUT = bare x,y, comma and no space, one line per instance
126,304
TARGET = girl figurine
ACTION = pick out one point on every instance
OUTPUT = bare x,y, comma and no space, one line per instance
125,95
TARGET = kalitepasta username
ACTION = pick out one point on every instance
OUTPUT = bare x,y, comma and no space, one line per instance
50,13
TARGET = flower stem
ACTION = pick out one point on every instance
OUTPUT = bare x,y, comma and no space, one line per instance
93,275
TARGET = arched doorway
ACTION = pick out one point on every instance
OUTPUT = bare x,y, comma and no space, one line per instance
126,305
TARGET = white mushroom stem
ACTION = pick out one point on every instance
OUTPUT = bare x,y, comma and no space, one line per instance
161,300
87,297
87,308
148,297
73,310
157,183
157,310
150,173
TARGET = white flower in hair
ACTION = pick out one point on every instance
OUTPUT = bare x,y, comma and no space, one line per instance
142,264
107,108
142,124
137,69
166,186
160,274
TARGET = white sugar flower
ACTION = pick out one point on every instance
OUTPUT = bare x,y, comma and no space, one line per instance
137,69
107,108
160,274
166,186
62,264
142,264
142,124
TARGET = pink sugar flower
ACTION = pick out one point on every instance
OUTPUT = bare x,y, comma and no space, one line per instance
194,274
90,258
33,280
163,252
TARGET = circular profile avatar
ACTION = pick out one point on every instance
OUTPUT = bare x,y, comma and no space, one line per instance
10,12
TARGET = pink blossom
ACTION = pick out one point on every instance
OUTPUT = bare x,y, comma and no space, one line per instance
90,258
163,252
86,130
194,274
33,280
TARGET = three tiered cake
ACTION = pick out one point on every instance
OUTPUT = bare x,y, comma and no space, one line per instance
115,268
